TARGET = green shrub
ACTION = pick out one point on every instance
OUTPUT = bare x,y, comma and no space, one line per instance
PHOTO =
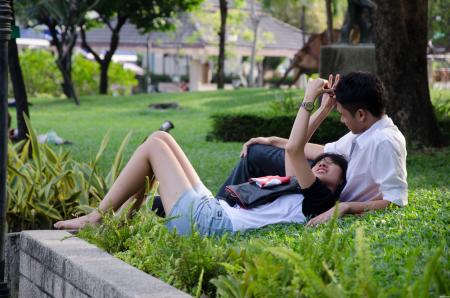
275,80
51,186
121,81
441,102
86,77
40,73
286,101
228,78
160,78
42,77
241,127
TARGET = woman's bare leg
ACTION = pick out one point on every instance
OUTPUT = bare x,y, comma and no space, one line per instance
153,157
188,169
136,200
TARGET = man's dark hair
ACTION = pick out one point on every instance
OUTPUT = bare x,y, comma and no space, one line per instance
361,90
341,162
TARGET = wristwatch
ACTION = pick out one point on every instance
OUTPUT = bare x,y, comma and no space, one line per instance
308,105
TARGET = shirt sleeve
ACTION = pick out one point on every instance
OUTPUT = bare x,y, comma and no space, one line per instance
341,146
317,199
389,172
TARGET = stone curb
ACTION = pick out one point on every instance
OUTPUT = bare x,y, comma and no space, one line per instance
57,264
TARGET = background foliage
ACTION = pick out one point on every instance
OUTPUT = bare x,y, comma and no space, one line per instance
290,11
439,18
40,73
42,77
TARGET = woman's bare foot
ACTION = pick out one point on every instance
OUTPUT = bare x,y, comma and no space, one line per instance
77,223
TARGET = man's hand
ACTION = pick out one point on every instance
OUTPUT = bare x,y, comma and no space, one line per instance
326,216
357,208
259,140
329,99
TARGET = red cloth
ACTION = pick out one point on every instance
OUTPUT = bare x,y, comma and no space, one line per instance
269,181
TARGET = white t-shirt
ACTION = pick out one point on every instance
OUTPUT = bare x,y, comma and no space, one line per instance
285,209
377,163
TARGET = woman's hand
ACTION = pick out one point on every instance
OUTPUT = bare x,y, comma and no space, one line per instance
315,88
326,216
259,140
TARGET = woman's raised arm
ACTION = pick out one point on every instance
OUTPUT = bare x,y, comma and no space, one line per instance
296,161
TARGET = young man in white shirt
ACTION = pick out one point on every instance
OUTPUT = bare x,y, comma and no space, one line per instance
375,148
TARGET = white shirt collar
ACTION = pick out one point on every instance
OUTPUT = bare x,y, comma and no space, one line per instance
363,138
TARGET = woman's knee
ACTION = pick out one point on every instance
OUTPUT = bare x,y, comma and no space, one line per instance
161,135
153,141
156,136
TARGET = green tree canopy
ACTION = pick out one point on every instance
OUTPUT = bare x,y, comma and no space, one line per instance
315,19
61,17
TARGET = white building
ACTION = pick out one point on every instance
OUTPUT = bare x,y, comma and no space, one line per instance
188,50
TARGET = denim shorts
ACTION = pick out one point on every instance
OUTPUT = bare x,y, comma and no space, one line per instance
198,209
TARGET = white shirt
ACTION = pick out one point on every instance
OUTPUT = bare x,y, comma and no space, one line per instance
377,163
285,209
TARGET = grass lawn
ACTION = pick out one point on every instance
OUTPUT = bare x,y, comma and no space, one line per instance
393,258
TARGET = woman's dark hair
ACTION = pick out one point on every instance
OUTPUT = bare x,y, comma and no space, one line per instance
341,162
361,90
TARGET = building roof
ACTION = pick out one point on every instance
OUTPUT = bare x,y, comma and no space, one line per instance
191,39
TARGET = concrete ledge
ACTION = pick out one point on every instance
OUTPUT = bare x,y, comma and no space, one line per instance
55,264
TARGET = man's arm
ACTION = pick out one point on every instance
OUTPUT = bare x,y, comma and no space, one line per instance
273,141
349,208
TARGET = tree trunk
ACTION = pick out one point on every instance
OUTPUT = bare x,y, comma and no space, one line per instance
255,24
104,66
64,64
329,21
222,34
113,45
20,93
261,72
64,44
400,43
302,27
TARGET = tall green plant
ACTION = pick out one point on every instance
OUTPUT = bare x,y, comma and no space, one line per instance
50,185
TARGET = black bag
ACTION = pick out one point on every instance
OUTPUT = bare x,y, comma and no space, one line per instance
249,195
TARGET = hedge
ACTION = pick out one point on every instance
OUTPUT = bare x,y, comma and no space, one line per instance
241,127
